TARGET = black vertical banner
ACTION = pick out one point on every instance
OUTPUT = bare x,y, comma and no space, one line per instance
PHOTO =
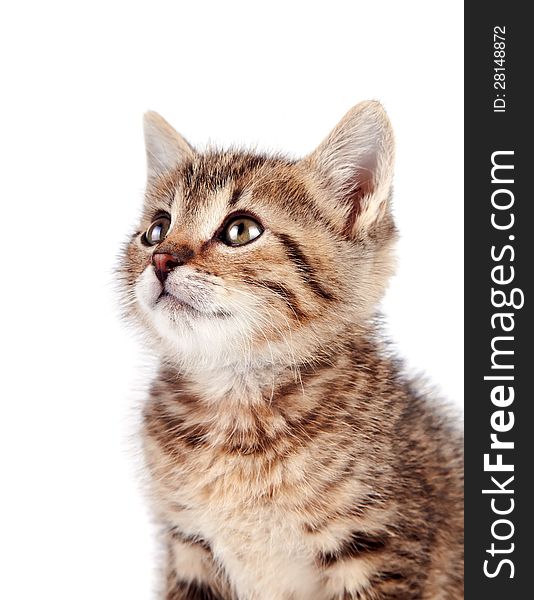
499,259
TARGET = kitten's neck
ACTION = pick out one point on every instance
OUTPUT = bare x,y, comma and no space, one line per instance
258,381
252,381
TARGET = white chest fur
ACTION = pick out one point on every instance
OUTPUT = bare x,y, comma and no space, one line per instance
261,550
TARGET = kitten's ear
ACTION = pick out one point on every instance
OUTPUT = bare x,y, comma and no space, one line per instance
356,163
165,147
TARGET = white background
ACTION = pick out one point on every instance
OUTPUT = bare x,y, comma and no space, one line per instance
76,78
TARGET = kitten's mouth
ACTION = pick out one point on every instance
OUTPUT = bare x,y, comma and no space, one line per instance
166,298
171,300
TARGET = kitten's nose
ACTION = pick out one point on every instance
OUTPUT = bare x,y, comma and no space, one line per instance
164,264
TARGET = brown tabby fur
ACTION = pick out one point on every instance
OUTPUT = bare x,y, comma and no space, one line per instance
289,458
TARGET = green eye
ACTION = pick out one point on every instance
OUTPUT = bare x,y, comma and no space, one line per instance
240,231
157,232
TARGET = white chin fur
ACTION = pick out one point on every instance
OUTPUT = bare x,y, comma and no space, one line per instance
195,340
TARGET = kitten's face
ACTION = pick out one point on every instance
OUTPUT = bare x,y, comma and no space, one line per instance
242,258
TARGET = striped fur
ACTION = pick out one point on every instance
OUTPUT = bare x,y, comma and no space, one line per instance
289,457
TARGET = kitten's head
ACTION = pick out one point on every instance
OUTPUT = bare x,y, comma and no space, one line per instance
244,258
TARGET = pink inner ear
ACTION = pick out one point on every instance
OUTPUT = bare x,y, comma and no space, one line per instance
361,185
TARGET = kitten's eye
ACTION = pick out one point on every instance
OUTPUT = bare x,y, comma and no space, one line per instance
240,231
157,231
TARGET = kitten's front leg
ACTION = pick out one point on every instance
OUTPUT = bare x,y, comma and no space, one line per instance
191,571
190,591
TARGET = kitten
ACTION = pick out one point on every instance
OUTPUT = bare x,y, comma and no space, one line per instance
289,458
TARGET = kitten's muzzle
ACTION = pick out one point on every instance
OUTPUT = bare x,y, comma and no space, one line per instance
165,262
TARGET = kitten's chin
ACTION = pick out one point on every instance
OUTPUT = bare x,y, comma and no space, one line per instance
168,302
176,308
195,340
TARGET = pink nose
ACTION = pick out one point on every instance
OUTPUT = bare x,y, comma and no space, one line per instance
164,264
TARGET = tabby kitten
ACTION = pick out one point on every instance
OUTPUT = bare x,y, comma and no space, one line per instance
289,458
